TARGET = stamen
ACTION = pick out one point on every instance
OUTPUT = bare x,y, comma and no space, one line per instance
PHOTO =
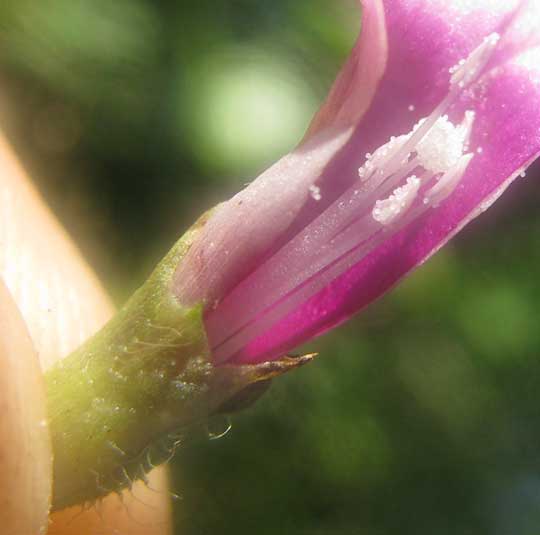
381,157
315,192
448,182
463,74
441,148
466,128
468,69
388,210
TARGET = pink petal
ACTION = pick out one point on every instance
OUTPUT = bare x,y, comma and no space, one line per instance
243,229
425,38
508,130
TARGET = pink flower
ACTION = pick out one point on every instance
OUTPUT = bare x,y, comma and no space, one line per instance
435,113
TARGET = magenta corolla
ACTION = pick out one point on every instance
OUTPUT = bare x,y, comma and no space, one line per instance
435,113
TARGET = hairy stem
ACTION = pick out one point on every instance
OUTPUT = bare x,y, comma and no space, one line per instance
145,376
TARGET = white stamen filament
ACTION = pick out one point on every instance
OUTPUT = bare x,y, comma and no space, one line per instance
357,222
466,128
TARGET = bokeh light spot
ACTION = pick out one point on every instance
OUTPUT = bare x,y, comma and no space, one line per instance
246,108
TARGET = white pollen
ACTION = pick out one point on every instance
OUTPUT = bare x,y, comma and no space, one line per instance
382,156
386,211
315,192
441,148
479,150
411,107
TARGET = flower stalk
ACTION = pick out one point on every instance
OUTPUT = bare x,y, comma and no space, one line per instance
122,402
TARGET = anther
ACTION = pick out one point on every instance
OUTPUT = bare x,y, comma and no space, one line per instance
441,148
315,192
468,69
448,182
380,159
386,211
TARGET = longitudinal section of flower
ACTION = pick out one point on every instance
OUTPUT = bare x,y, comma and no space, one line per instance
409,175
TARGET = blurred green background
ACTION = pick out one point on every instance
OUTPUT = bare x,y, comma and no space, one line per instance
423,414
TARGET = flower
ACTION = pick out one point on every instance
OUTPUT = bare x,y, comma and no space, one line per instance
435,113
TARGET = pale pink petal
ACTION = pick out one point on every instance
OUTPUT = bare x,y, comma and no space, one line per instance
355,85
241,230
